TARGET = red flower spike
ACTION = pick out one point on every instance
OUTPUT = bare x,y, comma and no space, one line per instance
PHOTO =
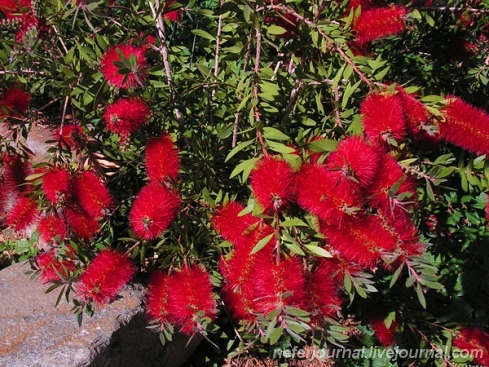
365,4
56,185
465,126
323,289
126,116
474,341
277,285
69,136
354,163
153,210
162,159
23,214
319,193
383,118
391,192
104,277
158,307
190,292
230,225
125,76
14,101
172,15
386,336
238,291
50,227
12,9
273,183
51,268
91,194
83,225
377,23
15,171
28,22
362,240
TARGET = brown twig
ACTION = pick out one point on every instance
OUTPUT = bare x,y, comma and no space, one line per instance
256,89
160,27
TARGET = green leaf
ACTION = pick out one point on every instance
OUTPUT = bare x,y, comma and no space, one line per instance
275,29
203,34
420,294
274,134
318,251
279,147
240,146
323,145
262,243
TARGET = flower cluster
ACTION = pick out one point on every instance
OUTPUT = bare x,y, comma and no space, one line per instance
378,22
257,283
14,102
124,66
104,277
183,298
126,116
362,199
157,203
465,126
475,341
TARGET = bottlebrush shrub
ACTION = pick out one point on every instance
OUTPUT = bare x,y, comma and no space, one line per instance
281,174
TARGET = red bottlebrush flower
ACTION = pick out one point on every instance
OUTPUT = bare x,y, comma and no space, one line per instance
365,4
323,289
153,210
104,277
83,225
69,136
56,184
383,118
23,214
15,171
385,335
362,240
50,227
475,342
190,292
237,292
162,159
318,192
126,116
273,183
157,301
391,190
14,8
51,268
28,22
14,101
91,194
276,285
172,15
465,126
230,225
124,66
376,23
417,116
354,163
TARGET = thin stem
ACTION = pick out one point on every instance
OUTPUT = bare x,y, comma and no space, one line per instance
160,27
238,114
256,89
330,41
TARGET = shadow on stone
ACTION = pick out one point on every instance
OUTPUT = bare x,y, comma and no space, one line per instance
134,345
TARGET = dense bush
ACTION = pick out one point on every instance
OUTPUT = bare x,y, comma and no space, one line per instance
286,174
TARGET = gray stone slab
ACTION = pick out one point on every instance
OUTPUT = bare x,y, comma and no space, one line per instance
34,333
